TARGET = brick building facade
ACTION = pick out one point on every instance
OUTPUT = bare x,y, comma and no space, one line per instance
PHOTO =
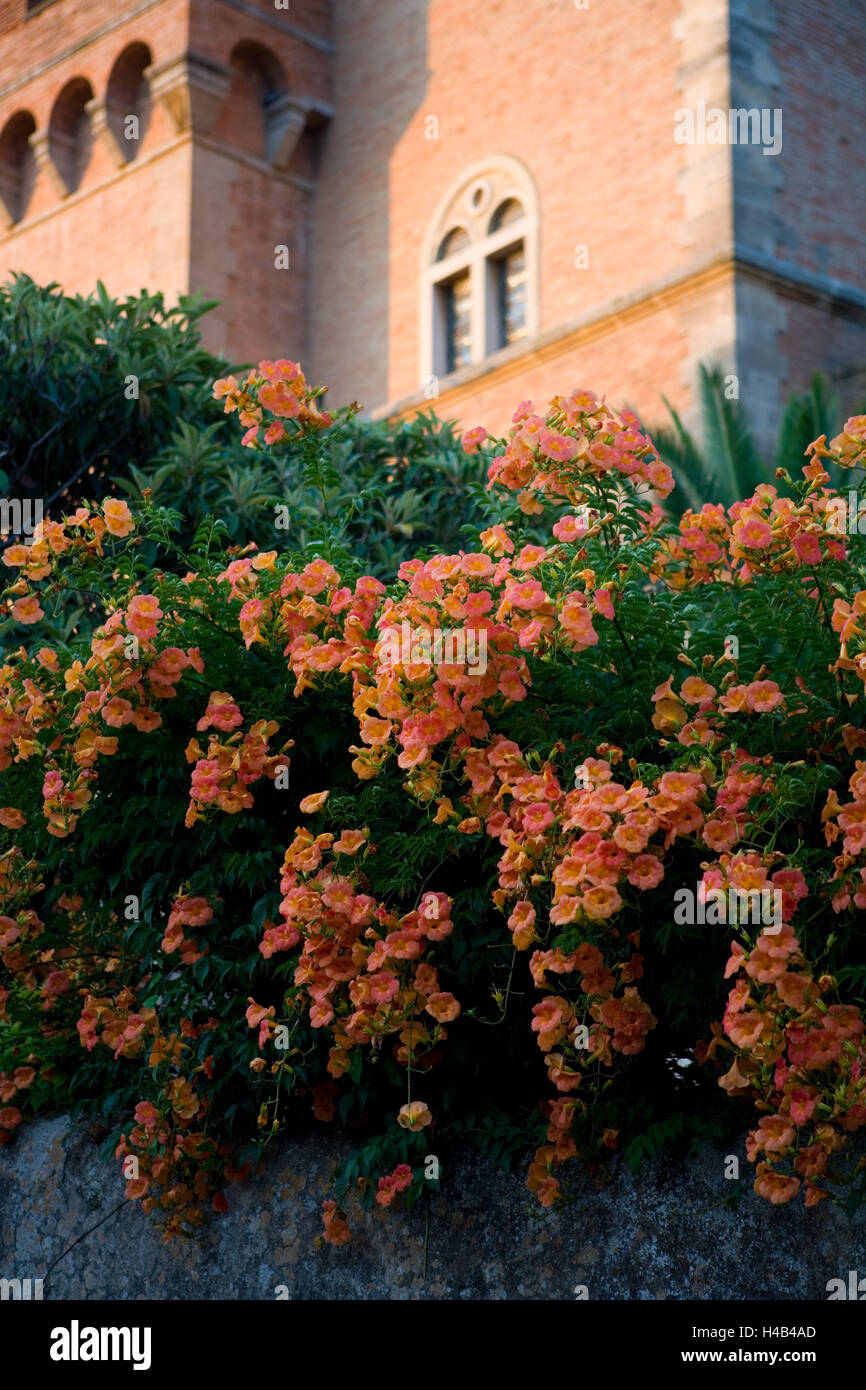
463,204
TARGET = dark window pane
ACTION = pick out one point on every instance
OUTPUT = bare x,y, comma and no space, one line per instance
457,240
458,310
512,296
507,212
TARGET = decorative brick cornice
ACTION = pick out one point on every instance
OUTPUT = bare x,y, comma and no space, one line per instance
732,264
191,89
278,19
129,13
811,286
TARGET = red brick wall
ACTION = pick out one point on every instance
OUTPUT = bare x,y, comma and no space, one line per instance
128,227
242,211
820,48
837,344
183,215
585,98
631,362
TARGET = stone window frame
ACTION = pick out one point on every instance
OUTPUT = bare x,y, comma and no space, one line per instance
469,205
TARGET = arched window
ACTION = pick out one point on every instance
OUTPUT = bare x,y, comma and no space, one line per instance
455,241
128,100
480,269
70,136
509,211
17,165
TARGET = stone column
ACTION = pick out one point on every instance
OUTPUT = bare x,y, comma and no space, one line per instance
104,121
45,149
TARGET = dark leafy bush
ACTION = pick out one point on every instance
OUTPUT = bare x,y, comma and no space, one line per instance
274,852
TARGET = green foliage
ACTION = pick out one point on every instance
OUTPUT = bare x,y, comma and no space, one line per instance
375,493
381,492
728,466
115,1017
72,360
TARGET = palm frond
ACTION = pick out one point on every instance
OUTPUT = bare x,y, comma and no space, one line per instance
808,414
736,467
681,452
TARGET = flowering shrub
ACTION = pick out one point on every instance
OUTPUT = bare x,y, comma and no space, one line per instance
263,864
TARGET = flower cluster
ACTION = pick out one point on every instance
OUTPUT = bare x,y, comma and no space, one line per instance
82,533
765,533
188,910
336,1227
579,440
546,773
175,1170
847,620
802,1059
222,776
124,676
276,389
613,1022
392,1183
847,820
847,449
409,704
359,971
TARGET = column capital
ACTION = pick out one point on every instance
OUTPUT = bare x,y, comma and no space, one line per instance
104,121
44,147
191,89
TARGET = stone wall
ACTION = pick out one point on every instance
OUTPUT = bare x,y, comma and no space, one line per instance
667,1233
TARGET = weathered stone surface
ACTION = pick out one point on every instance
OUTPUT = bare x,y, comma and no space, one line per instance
666,1233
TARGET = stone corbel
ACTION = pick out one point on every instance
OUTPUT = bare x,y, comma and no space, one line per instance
104,129
41,144
285,123
286,118
191,89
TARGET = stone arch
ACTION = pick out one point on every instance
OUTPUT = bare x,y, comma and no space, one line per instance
473,197
70,133
17,166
